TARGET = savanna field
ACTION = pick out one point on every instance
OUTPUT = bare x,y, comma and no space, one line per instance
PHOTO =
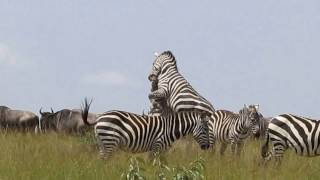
56,156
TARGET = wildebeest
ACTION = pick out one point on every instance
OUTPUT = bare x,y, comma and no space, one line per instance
65,120
18,119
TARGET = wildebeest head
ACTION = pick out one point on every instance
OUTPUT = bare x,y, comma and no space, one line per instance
48,120
3,109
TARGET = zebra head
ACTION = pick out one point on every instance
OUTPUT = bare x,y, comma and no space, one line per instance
163,63
201,132
256,128
252,116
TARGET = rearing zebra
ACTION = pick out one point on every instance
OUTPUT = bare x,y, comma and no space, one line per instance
137,133
231,128
174,88
291,131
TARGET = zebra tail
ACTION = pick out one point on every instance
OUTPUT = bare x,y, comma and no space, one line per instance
264,149
85,112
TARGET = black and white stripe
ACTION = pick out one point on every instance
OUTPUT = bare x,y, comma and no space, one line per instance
231,128
137,133
291,131
260,128
174,88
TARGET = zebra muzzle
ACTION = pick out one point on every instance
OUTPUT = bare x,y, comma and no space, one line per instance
205,146
152,77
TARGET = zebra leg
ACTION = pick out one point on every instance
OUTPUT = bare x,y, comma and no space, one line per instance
212,138
158,94
107,147
157,149
233,146
156,157
239,148
223,148
102,151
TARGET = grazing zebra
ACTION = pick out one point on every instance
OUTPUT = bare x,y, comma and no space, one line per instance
137,133
173,88
291,131
231,128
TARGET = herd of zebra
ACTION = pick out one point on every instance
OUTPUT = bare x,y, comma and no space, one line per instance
178,110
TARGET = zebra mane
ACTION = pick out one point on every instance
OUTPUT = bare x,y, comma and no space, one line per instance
170,55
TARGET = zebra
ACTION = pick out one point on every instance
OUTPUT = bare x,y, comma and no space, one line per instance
292,131
136,133
173,88
232,128
259,129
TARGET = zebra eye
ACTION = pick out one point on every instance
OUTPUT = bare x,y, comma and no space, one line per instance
156,68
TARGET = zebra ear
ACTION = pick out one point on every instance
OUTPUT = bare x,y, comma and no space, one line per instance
156,54
256,106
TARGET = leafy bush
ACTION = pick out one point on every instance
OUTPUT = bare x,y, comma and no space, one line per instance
161,166
195,170
134,171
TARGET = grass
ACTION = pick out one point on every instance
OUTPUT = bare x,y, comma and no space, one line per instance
53,156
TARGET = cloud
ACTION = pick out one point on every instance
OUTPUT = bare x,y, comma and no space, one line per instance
7,56
110,78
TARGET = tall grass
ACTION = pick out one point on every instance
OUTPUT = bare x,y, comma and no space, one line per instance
53,156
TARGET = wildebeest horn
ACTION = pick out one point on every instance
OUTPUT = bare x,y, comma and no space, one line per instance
52,110
40,111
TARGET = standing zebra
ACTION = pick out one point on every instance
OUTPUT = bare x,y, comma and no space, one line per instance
260,128
287,130
137,133
174,88
231,128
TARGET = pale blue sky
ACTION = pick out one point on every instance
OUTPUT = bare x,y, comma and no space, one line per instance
54,53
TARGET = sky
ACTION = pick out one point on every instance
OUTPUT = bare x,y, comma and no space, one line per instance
56,53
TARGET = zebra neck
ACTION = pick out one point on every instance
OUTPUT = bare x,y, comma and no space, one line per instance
243,124
168,73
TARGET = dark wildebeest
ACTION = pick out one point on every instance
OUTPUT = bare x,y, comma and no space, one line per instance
65,120
18,119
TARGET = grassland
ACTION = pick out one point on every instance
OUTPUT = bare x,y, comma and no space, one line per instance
53,156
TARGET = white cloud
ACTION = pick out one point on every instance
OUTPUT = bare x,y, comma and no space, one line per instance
110,78
7,56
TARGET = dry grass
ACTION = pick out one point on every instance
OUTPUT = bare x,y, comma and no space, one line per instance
52,156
